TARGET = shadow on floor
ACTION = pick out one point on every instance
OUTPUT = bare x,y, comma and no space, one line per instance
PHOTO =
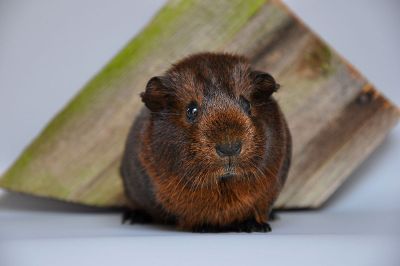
22,202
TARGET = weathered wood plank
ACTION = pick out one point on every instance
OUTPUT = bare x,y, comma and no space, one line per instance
335,116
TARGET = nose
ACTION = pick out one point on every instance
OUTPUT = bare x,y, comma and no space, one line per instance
228,149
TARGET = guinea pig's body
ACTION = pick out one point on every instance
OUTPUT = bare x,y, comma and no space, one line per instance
211,150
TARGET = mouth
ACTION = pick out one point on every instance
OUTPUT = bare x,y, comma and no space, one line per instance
229,170
227,176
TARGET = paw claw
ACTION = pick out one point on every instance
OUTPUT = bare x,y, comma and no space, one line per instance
136,216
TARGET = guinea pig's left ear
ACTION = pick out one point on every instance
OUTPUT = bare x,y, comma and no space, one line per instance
157,94
264,86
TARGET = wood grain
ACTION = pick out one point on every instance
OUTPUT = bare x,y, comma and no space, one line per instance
336,117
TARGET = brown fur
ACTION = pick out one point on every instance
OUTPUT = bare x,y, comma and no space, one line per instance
171,168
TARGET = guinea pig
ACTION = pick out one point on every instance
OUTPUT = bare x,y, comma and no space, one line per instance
210,150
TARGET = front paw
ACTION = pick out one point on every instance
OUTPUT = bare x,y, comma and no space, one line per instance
207,228
247,226
136,217
252,225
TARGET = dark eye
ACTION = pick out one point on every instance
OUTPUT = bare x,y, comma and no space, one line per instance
192,111
245,104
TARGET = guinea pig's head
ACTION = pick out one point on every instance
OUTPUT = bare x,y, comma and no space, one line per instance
209,119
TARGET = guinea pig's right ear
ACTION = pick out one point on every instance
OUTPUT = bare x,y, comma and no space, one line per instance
264,85
156,97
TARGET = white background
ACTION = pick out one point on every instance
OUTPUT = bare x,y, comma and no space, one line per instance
49,49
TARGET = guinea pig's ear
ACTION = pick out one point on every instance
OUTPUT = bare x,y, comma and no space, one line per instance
264,85
156,97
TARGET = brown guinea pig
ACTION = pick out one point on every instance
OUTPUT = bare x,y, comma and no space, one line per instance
211,150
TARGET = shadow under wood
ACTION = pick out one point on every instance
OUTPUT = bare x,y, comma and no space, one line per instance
23,202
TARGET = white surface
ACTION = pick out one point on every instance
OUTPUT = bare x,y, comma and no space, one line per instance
41,233
48,50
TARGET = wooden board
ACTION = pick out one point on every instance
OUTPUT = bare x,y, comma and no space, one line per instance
336,117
